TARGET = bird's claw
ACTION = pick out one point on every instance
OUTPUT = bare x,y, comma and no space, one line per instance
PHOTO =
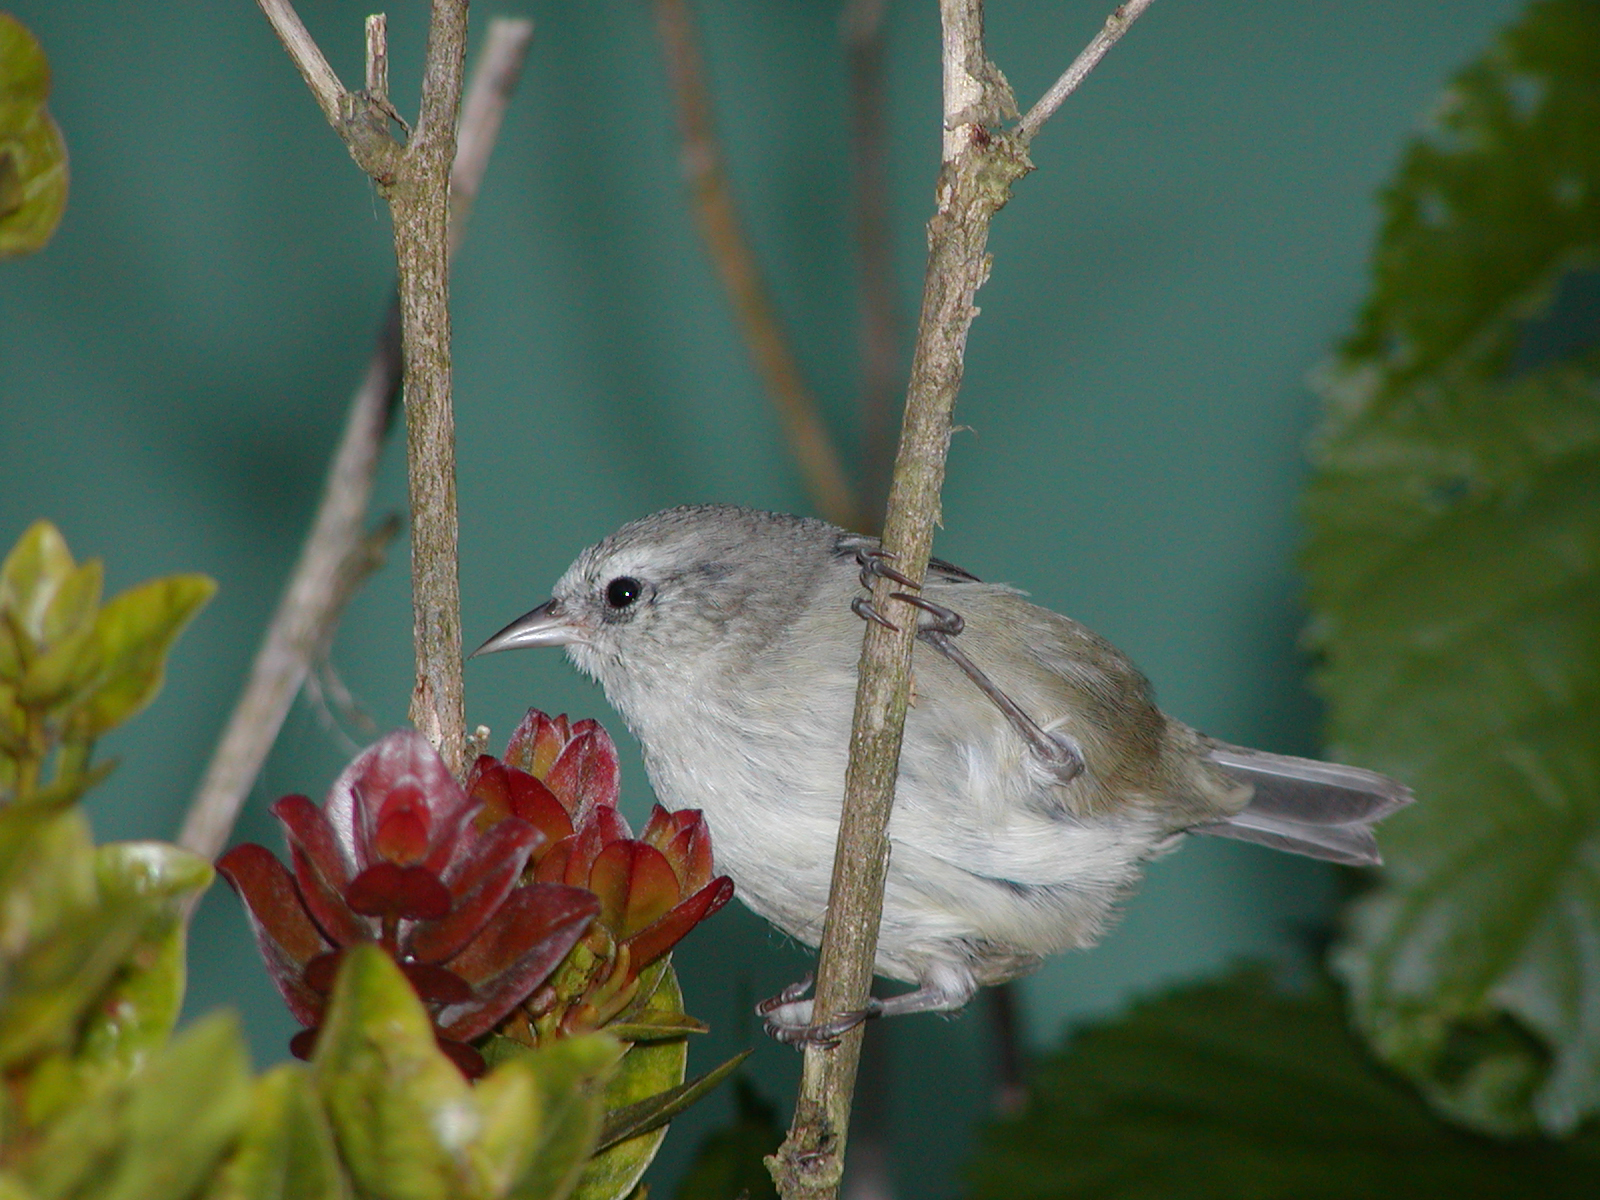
874,564
863,607
822,1033
796,991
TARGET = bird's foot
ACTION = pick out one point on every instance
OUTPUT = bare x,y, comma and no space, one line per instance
787,1018
874,564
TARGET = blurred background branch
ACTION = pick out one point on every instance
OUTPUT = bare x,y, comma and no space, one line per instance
814,449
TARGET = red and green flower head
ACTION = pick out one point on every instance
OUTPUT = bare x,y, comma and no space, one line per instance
481,892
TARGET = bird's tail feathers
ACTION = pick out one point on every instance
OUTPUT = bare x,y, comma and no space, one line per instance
1322,810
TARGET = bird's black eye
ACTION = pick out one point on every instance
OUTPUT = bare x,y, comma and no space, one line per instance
623,591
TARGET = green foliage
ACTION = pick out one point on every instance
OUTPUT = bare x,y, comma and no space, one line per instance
649,1069
1454,566
70,668
407,1124
154,1136
731,1161
33,158
97,1101
286,1151
1240,1090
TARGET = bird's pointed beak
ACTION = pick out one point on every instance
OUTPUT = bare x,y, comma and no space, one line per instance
546,625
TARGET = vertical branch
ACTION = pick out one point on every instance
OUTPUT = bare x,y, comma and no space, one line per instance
730,251
338,548
420,204
981,162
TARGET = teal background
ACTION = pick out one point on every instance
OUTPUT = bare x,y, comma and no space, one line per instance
174,369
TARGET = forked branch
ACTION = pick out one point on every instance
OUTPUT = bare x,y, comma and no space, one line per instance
414,176
982,160
338,548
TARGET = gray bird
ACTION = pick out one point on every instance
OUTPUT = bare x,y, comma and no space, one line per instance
1036,775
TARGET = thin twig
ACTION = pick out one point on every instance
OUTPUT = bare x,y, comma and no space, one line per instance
306,55
338,551
981,163
378,56
730,251
879,337
1116,25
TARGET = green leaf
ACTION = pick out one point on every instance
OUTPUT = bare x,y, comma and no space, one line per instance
47,870
60,792
77,1149
154,871
156,1136
135,630
655,1111
65,632
71,664
183,1112
403,1116
39,567
572,1074
731,1161
647,1070
33,158
51,987
137,1013
647,1018
1238,1090
1454,564
287,1151
513,1103
657,1028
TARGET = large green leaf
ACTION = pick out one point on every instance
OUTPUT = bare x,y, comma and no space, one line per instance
33,158
156,1136
137,1013
184,1109
1454,565
287,1151
403,1115
1238,1090
47,992
47,871
572,1074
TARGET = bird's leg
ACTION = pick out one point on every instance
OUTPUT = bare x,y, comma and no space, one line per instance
1058,752
787,1017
